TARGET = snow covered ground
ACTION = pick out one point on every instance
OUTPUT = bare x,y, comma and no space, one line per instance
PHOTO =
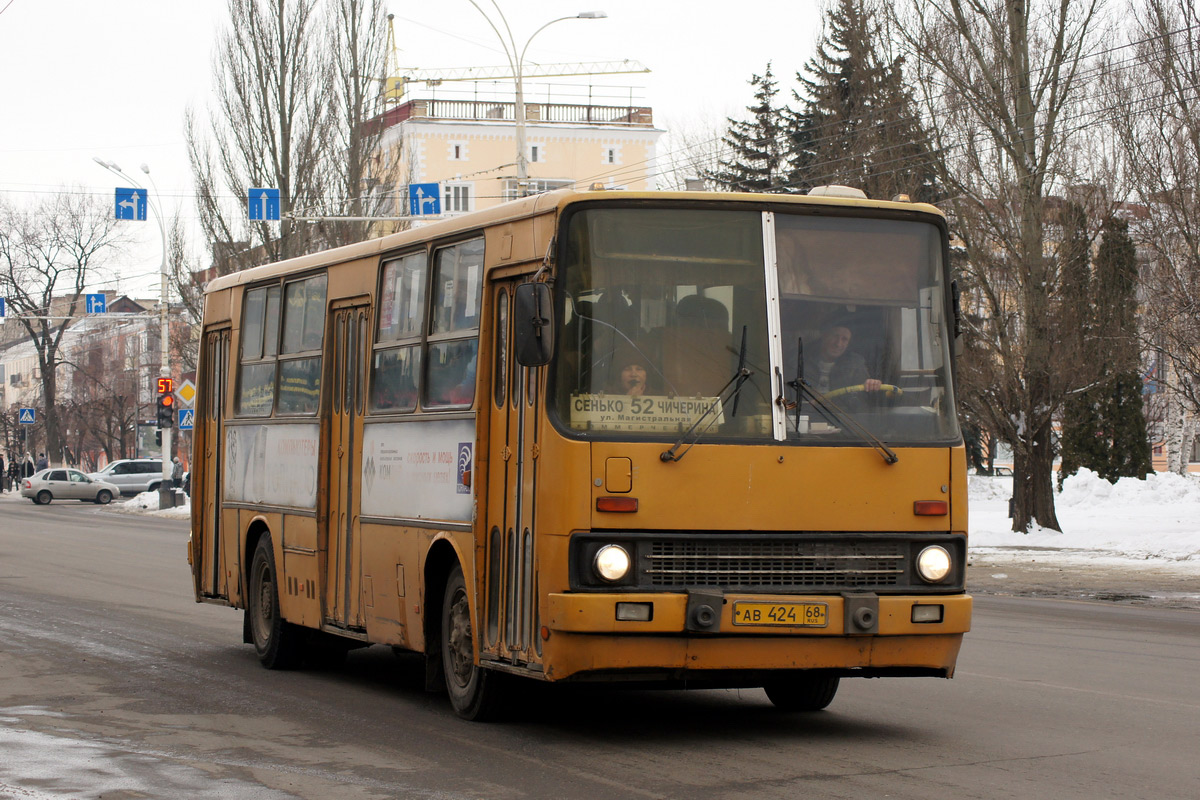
1155,522
1151,522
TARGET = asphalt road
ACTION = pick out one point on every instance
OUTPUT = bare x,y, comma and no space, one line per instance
115,684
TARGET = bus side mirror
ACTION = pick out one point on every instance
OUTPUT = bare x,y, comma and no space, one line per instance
533,324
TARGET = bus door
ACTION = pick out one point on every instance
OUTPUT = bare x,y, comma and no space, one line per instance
343,556
208,471
511,608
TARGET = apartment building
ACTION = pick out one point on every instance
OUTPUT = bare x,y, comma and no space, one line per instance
466,145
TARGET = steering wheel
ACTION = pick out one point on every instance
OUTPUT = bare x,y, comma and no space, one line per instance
890,390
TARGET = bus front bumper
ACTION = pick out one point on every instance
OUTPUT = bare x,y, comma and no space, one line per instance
708,635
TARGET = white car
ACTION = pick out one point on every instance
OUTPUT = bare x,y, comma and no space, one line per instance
132,475
67,484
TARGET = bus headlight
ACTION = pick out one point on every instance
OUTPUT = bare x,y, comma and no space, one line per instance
612,562
933,564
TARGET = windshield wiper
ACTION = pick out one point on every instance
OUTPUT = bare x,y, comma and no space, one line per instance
831,412
692,434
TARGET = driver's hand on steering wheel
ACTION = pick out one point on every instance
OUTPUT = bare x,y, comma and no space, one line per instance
872,385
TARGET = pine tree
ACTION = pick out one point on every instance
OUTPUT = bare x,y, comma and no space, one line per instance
1124,420
1104,428
1081,444
757,146
857,124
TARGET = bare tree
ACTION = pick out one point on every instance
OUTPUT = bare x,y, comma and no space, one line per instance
268,129
696,146
1002,79
1157,124
184,339
297,107
357,31
48,254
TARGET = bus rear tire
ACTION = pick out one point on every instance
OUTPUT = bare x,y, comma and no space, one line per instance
802,692
278,643
473,691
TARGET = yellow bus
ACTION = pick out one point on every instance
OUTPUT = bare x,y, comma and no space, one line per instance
687,439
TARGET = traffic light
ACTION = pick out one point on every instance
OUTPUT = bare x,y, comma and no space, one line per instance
166,410
166,403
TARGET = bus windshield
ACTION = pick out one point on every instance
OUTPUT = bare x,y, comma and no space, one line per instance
828,320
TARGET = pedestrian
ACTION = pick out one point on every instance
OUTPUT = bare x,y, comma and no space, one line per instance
3,476
42,462
29,469
176,473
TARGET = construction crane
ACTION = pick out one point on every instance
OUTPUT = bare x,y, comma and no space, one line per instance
399,77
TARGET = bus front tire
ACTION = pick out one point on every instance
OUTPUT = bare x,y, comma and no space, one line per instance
473,690
802,692
276,641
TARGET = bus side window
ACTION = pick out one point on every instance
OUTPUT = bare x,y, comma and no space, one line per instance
397,360
454,325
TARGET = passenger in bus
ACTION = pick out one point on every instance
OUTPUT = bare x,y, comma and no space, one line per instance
632,369
463,392
835,366
633,379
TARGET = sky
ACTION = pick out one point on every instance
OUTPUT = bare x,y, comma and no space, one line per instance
84,78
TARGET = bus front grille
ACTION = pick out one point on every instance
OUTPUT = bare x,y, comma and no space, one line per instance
774,565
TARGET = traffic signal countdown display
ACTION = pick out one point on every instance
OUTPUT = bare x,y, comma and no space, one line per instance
166,403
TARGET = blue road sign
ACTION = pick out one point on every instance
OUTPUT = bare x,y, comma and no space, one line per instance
424,198
263,204
96,303
187,417
2,308
131,204
28,416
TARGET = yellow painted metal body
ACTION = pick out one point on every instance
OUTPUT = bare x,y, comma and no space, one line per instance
760,488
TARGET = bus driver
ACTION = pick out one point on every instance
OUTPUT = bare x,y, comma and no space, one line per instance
835,365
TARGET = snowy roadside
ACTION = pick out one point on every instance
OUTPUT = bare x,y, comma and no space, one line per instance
147,503
1151,523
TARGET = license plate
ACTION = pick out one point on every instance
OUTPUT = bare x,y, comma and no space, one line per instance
792,615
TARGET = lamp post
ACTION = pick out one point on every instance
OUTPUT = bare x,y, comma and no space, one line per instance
516,60
166,498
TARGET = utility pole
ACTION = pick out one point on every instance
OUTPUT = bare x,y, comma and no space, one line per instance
166,497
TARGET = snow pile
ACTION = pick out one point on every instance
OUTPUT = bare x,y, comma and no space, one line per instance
147,503
1157,519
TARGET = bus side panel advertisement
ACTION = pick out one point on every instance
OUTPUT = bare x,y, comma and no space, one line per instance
272,464
419,470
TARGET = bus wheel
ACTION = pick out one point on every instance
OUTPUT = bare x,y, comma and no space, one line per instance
472,689
278,643
802,692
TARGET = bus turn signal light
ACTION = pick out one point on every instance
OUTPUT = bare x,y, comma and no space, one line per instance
931,508
623,504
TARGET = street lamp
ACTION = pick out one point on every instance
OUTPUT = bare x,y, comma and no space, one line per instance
516,61
165,498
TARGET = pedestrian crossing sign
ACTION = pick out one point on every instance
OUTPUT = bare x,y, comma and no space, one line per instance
187,417
28,416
